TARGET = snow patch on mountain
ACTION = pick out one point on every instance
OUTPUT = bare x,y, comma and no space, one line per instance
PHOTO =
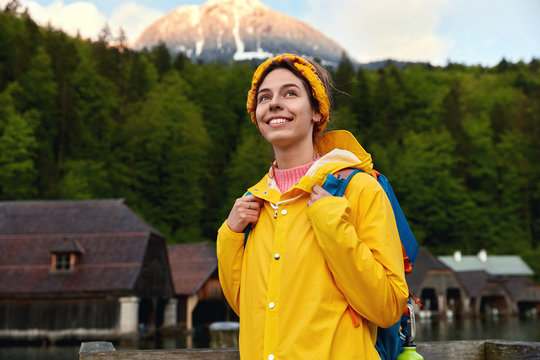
223,30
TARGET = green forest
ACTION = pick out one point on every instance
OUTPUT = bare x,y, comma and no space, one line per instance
83,119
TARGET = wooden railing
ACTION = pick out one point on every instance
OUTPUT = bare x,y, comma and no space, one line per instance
451,350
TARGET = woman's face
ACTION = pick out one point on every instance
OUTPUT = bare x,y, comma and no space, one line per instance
285,115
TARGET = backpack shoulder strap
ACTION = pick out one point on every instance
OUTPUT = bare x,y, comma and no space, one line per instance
336,184
247,229
408,241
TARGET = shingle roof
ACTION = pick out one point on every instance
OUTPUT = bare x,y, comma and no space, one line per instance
69,217
500,265
108,237
191,266
522,289
109,263
473,281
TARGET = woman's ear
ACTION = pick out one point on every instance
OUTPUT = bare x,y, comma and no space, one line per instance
317,118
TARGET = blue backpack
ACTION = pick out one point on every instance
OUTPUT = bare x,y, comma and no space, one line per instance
389,340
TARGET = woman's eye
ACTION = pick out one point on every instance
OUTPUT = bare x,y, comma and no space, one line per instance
263,98
290,93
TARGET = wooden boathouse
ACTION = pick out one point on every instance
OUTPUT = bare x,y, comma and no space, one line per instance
437,286
197,290
473,285
495,284
80,270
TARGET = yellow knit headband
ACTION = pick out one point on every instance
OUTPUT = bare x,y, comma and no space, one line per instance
308,71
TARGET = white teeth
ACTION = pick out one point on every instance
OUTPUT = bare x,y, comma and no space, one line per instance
277,121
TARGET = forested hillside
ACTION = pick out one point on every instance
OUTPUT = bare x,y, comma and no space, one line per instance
85,120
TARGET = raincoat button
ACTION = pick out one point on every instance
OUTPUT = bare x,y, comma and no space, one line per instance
266,192
276,256
283,212
271,357
271,305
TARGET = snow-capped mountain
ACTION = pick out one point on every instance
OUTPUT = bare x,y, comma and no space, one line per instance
222,30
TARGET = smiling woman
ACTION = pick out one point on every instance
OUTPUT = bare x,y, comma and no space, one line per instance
313,266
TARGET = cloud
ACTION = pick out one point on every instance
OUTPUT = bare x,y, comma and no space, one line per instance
133,19
87,20
79,17
376,30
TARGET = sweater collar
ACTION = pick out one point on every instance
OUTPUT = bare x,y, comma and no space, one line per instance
341,150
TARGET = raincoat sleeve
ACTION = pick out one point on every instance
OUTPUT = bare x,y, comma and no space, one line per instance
362,249
230,252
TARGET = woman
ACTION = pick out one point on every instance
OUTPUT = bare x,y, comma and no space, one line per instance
318,273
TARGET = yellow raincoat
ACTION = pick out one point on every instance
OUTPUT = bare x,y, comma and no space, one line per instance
303,266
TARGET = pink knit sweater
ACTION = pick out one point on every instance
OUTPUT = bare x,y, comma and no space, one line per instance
288,177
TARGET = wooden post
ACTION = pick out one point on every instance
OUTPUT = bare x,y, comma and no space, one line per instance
466,301
191,303
129,316
171,313
441,303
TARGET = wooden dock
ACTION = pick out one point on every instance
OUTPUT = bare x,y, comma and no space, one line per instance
440,350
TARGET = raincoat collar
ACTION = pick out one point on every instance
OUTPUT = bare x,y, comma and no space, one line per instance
339,150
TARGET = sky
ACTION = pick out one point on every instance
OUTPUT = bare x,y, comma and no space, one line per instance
470,32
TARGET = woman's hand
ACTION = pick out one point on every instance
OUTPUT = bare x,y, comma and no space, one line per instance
318,193
245,211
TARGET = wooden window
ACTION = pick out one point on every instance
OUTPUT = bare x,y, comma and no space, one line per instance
62,262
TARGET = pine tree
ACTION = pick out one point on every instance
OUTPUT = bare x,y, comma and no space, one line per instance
343,78
161,58
167,159
39,93
362,101
17,144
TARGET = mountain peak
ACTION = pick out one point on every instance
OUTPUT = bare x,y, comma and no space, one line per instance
223,30
236,3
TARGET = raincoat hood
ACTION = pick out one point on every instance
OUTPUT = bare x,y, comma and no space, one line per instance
339,150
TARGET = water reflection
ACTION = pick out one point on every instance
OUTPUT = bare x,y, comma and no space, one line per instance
39,353
504,328
512,328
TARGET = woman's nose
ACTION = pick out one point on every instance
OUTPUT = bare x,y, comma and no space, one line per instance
275,103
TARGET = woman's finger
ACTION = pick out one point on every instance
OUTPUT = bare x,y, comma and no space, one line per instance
318,193
245,210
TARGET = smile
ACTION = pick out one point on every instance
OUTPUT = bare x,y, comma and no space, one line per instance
276,121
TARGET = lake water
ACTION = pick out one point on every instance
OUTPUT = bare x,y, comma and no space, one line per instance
513,328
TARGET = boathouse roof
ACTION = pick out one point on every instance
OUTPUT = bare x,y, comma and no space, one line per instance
473,281
191,266
69,217
522,289
497,265
105,246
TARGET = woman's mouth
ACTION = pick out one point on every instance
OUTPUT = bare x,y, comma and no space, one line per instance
277,121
